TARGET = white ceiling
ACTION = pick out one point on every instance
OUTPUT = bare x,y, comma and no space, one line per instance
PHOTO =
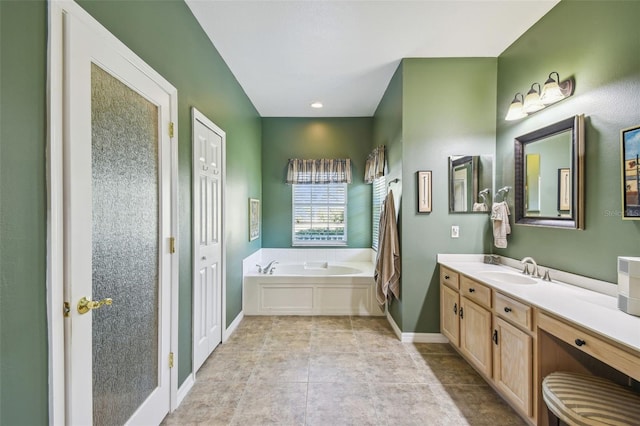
288,54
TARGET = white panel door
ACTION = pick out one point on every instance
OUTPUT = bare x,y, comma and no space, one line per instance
208,174
118,222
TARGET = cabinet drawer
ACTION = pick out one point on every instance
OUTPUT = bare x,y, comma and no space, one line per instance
623,361
512,310
450,278
474,290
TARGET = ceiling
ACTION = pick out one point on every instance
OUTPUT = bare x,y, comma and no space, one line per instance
288,54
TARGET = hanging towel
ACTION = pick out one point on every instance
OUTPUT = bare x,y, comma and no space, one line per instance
480,207
387,271
500,217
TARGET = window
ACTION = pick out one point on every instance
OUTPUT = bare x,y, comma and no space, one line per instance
319,214
379,188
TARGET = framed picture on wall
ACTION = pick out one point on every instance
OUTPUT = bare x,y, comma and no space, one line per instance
254,219
630,150
424,191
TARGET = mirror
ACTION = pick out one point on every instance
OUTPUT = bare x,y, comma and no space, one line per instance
549,185
470,183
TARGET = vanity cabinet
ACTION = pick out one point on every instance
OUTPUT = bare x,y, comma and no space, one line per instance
475,324
450,305
513,352
494,333
465,317
475,334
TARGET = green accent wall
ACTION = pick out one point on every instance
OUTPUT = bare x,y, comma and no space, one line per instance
448,108
387,131
166,35
596,42
284,138
185,56
23,205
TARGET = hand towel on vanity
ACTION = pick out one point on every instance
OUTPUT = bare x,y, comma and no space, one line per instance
501,228
387,270
480,207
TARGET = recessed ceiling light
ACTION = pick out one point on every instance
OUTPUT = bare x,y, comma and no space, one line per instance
316,105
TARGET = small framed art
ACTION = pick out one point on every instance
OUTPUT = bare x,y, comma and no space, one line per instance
424,191
254,219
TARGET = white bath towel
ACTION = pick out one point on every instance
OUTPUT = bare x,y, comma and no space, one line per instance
387,270
480,207
501,228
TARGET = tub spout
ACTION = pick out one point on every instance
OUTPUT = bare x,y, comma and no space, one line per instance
269,268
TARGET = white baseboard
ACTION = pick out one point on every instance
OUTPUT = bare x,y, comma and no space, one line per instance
232,327
424,338
415,337
184,389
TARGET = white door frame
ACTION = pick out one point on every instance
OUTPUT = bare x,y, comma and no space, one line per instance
55,198
198,116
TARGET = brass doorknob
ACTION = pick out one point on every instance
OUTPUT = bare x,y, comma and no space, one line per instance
85,305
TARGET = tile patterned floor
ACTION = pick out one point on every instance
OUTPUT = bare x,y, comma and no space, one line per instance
331,371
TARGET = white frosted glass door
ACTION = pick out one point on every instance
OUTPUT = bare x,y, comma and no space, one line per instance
124,147
118,222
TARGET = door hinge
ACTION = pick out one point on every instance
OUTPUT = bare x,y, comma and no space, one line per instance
66,309
171,129
170,359
172,245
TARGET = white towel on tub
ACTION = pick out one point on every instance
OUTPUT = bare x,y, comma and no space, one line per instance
387,271
501,228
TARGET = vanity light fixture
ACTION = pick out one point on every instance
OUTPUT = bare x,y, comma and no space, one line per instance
532,102
538,97
515,109
317,105
554,90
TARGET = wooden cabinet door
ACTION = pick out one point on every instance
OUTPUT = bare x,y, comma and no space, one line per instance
513,364
475,335
449,314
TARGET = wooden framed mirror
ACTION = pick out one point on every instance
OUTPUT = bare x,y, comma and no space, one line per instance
549,175
470,183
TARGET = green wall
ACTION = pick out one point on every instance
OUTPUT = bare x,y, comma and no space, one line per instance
448,109
166,35
596,42
186,57
284,138
387,131
435,124
23,313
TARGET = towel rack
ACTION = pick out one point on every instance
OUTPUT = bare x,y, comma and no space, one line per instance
483,194
502,192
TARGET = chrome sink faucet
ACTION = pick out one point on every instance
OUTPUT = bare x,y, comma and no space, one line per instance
529,260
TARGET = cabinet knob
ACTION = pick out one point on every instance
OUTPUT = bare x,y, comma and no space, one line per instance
495,336
507,309
455,308
446,277
461,312
472,290
580,342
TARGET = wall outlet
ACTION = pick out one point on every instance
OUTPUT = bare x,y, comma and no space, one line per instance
455,231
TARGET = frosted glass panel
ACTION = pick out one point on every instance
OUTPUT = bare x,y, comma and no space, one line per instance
124,144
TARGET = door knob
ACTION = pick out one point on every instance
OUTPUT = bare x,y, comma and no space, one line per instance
85,305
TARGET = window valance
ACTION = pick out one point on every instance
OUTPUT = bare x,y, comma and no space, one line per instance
336,170
374,167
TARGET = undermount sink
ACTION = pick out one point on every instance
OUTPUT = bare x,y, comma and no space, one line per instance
507,277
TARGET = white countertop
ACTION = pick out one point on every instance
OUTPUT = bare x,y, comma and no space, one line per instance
591,310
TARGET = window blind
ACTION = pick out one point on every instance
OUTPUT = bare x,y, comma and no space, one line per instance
379,188
319,214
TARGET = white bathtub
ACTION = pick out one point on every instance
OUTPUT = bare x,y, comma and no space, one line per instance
316,268
311,288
